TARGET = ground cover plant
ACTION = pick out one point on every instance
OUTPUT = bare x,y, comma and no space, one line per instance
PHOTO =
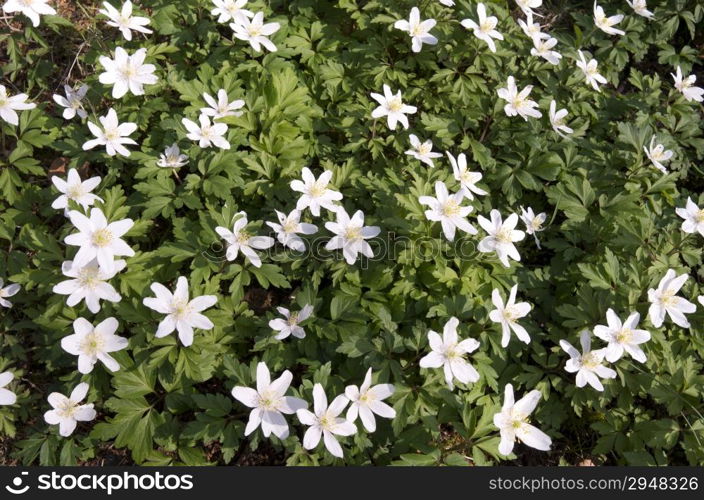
351,232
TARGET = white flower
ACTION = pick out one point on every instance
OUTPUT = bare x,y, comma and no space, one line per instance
315,193
230,9
127,72
622,337
366,400
182,314
350,235
447,3
72,101
7,397
513,423
557,120
485,29
290,325
466,178
324,421
8,106
418,30
543,48
534,223
527,6
589,365
448,210
269,402
91,344
30,8
657,154
239,240
422,151
606,24
664,299
449,354
590,71
67,412
508,315
206,134
172,157
74,189
288,228
391,106
684,85
98,240
6,292
89,283
112,135
693,217
640,8
255,31
531,29
701,299
518,102
501,236
124,20
222,107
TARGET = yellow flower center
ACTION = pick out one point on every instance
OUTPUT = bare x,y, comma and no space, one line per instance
290,227
243,237
395,104
75,191
92,344
129,71
486,26
67,409
111,134
102,237
326,422
293,319
206,132
267,400
590,360
451,353
519,420
517,102
254,31
353,233
318,189
669,298
88,277
687,82
510,313
424,148
451,208
624,336
466,177
180,308
700,216
658,152
504,235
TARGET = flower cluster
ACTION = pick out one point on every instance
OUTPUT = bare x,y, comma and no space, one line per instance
103,251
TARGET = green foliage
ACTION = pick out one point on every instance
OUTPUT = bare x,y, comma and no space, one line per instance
611,234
